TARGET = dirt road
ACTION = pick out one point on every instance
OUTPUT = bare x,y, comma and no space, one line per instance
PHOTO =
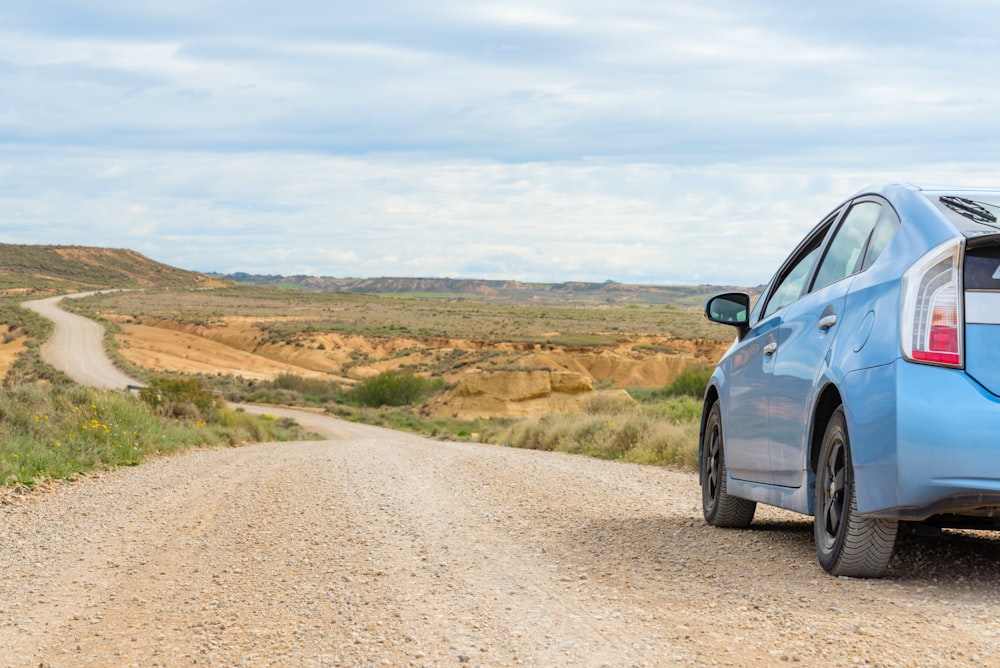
376,548
76,347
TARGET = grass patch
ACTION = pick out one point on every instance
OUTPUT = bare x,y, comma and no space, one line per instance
285,314
658,432
691,383
62,431
658,427
285,390
389,388
653,431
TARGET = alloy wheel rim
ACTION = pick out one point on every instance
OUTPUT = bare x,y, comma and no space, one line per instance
712,473
834,484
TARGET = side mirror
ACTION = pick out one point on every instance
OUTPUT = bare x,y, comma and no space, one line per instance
729,308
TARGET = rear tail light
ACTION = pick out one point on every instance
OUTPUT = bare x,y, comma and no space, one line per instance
931,319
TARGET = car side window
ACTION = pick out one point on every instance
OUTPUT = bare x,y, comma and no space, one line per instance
790,287
758,305
845,254
885,230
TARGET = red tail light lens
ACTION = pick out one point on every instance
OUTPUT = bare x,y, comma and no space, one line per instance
931,319
943,340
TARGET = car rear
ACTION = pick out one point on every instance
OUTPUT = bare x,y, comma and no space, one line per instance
948,379
982,313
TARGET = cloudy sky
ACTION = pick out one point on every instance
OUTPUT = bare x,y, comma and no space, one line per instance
647,141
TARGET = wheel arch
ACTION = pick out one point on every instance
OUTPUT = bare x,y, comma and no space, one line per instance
711,397
828,401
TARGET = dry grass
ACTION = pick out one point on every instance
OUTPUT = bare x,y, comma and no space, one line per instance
659,432
639,433
68,268
286,314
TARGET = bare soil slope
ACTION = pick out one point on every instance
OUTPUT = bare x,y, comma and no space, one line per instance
11,345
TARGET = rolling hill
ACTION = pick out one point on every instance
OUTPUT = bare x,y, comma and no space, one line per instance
32,268
508,292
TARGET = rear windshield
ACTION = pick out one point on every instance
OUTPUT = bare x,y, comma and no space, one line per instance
982,268
972,213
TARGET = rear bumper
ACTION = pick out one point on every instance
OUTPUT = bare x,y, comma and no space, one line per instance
946,458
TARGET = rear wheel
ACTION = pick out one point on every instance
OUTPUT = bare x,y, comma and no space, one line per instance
846,543
720,508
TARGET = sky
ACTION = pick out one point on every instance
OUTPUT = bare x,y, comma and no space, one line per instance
639,141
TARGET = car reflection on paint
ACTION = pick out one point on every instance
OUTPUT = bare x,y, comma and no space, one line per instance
863,387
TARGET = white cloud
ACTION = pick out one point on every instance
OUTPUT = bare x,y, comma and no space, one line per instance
552,140
297,213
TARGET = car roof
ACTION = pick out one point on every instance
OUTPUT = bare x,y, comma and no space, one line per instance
973,211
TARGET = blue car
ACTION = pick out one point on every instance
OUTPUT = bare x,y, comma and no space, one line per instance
863,387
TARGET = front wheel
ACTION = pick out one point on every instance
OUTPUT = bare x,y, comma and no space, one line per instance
846,543
720,509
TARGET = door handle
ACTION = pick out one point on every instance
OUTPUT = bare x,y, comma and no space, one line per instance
770,348
828,321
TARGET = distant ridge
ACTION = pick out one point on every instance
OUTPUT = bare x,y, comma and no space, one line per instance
38,267
492,290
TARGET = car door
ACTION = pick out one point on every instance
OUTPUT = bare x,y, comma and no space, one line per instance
749,368
806,331
745,406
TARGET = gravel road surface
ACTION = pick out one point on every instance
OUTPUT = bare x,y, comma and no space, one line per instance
378,548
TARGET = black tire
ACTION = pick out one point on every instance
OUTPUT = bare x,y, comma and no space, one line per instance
846,544
720,508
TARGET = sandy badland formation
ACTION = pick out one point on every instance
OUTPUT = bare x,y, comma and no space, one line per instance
521,379
11,345
487,377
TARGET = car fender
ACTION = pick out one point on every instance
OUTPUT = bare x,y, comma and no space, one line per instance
870,409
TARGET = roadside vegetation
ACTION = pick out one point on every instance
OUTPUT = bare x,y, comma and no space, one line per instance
51,428
647,432
660,426
59,432
388,389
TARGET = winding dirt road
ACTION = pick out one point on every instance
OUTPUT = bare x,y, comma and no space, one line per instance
378,548
76,346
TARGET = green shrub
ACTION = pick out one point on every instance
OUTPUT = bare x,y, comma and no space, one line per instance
690,383
181,398
392,388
